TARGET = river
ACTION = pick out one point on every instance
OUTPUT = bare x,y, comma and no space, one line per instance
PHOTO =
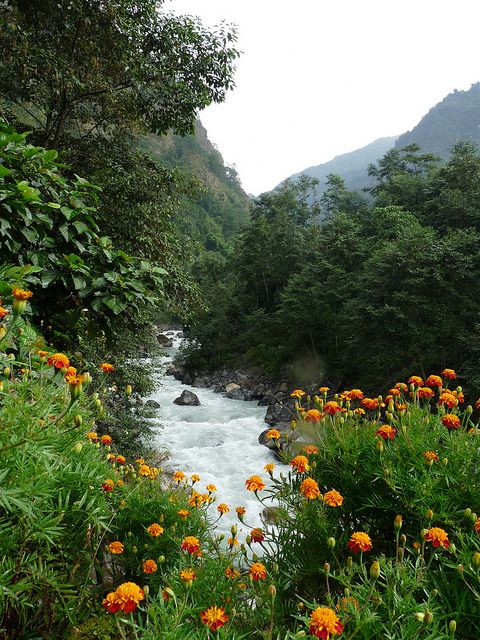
218,440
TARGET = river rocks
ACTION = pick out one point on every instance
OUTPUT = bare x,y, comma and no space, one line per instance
153,404
231,386
187,398
279,412
164,341
277,444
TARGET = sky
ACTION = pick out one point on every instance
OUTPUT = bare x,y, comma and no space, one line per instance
318,78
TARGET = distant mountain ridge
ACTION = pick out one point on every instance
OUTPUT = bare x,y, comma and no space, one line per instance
456,117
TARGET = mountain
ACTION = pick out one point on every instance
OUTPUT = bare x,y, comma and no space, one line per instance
456,117
351,166
219,206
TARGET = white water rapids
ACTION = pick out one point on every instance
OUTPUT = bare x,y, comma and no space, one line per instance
218,440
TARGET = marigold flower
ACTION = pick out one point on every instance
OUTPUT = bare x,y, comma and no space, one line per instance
110,603
241,511
108,485
21,294
188,575
106,439
127,596
214,617
333,498
257,535
430,455
434,381
269,467
211,488
257,571
116,547
254,483
106,367
191,544
111,457
370,404
386,432
324,623
355,394
347,603
459,396
324,389
300,463
140,461
273,434
59,361
92,436
144,470
3,313
395,392
223,508
402,386
332,408
121,459
231,573
416,381
310,449
309,489
359,411
448,399
232,542
451,421
401,406
297,393
312,415
438,537
425,392
195,478
183,513
476,526
449,374
155,530
359,541
149,566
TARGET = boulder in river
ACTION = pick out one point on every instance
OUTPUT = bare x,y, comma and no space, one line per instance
153,404
236,394
231,386
187,398
278,413
164,340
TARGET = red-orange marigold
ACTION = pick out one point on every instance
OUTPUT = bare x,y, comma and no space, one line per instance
438,537
359,541
451,421
324,623
214,617
300,463
257,571
254,483
309,489
191,544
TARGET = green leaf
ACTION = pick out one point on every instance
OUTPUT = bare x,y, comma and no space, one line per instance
4,171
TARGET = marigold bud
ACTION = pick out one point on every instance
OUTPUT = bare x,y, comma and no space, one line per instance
161,559
233,529
434,593
379,445
419,616
128,390
460,568
467,513
444,461
423,533
331,542
272,591
134,548
452,548
429,514
6,372
476,559
428,617
375,570
452,626
403,539
77,447
349,562
401,554
397,523
473,517
248,540
469,410
326,567
78,420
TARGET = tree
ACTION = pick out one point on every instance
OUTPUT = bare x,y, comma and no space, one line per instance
87,66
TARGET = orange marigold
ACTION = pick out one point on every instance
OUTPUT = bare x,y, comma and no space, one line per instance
300,463
3,313
430,455
359,541
92,436
297,393
116,547
144,470
125,598
241,511
188,575
370,404
254,483
106,439
195,478
434,381
21,294
309,489
312,415
149,566
355,394
183,513
324,389
108,485
211,488
273,434
449,374
310,449
257,571
324,623
191,544
451,421
120,459
155,530
269,467
214,617
332,408
386,432
257,535
438,537
59,361
425,392
476,526
178,476
448,399
333,498
402,386
416,381
231,573
394,392
106,367
223,508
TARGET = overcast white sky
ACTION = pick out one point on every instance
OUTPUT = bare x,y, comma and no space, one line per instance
322,77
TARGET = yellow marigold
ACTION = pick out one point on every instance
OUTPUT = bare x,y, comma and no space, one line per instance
416,381
223,508
106,439
120,483
359,541
332,408
269,467
434,381
297,393
232,542
231,573
149,566
257,571
155,530
333,498
125,598
214,617
313,415
451,421
241,511
430,455
324,623
310,449
144,470
191,544
178,476
140,461
188,575
449,374
92,436
448,399
254,483
183,513
106,367
211,488
324,389
21,294
111,457
195,478
300,463
476,526
116,547
59,361
394,392
438,537
309,489
4,312
359,411
273,434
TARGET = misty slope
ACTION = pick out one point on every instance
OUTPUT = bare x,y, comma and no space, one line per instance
219,207
456,117
351,166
